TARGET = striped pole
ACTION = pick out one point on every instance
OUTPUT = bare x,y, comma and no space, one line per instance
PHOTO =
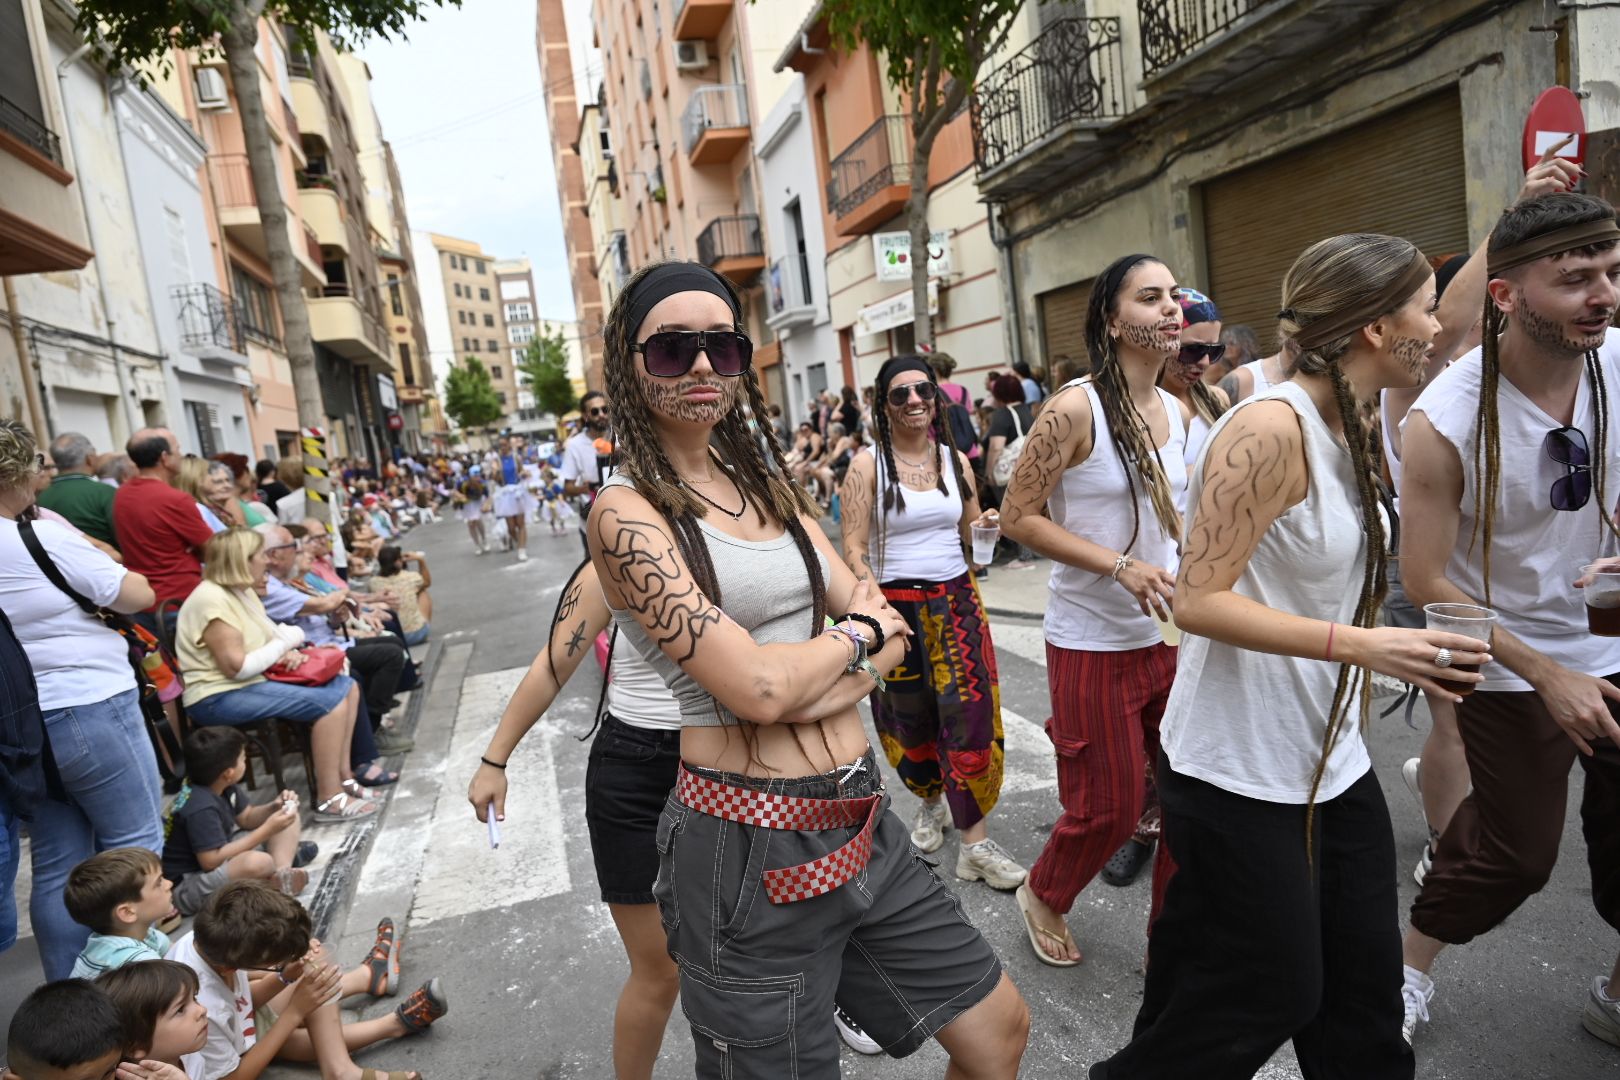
317,476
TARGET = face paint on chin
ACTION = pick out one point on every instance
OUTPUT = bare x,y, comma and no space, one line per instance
668,398
1553,335
1412,354
1149,337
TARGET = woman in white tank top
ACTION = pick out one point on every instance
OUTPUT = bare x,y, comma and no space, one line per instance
907,507
1280,922
1183,375
1095,491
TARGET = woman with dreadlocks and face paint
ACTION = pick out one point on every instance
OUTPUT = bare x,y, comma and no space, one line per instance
908,505
1279,922
1095,491
1507,488
785,883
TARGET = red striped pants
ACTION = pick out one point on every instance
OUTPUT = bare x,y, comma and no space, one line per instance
1106,708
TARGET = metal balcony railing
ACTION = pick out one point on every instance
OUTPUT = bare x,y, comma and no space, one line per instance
233,180
730,238
790,284
724,106
207,317
618,253
300,65
18,122
1073,71
1175,29
880,157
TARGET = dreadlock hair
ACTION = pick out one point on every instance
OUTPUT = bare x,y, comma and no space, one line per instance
1521,222
1126,426
765,484
892,496
1329,276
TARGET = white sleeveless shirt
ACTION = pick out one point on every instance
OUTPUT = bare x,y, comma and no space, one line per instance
923,542
1251,722
1197,435
1092,612
1257,368
1535,550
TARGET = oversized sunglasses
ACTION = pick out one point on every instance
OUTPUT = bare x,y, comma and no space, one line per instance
1567,447
671,354
1191,354
899,395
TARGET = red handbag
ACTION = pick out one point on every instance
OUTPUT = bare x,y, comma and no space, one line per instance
322,664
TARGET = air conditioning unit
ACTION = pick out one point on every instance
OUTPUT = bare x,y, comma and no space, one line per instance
691,55
211,92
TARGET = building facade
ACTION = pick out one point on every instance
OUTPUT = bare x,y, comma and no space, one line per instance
475,317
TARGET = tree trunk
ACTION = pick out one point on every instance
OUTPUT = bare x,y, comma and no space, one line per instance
240,44
917,221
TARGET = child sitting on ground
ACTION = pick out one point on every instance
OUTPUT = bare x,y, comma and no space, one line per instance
69,1030
119,894
215,833
288,1008
163,1020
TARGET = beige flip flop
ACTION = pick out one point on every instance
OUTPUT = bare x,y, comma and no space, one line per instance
1038,932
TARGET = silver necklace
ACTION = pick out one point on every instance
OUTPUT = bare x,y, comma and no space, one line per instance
913,464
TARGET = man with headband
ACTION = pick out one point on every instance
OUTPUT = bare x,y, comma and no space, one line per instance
1507,460
583,464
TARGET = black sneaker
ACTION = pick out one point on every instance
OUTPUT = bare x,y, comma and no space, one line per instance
307,850
1126,864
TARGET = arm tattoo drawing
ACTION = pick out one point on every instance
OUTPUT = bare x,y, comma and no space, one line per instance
1039,466
642,564
1244,492
569,601
577,641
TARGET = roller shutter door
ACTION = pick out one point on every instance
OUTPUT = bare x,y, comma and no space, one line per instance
1401,173
1063,322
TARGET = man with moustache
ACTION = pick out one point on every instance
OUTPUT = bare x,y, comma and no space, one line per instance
1508,458
585,462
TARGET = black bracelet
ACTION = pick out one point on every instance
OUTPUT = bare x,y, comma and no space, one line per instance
876,644
492,764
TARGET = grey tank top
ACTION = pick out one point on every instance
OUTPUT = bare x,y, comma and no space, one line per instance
764,588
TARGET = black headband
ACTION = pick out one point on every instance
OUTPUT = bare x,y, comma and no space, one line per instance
667,279
896,365
1555,242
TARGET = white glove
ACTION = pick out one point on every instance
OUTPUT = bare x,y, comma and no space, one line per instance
292,635
259,660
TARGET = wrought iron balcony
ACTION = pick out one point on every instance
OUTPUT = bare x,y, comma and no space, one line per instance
733,246
869,181
715,123
208,319
1175,29
27,128
1068,82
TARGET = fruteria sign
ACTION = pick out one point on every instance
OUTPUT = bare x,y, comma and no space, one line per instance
892,253
895,311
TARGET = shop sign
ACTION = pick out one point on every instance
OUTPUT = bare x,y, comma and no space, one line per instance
892,253
894,311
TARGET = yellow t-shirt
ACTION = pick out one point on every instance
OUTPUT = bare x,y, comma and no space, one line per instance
238,608
406,585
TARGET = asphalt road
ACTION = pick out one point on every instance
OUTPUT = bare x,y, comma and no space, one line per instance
533,964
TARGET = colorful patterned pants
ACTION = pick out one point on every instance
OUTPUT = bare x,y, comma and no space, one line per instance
940,719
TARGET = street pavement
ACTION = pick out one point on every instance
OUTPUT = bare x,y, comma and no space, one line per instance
532,963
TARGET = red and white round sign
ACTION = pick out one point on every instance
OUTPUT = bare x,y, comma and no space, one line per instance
1555,116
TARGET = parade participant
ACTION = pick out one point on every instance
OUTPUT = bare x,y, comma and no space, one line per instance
907,506
1257,376
1507,457
584,465
1201,346
1241,348
471,501
1105,460
1279,921
773,755
512,497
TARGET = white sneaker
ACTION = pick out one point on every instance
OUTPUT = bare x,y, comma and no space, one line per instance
523,554
858,1040
478,550
1411,772
1425,863
1602,1013
928,830
986,861
1417,992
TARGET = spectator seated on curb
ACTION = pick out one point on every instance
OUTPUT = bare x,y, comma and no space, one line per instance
409,589
120,894
215,833
64,1030
272,991
163,1020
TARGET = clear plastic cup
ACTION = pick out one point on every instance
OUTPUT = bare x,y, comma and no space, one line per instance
1601,588
984,543
1469,620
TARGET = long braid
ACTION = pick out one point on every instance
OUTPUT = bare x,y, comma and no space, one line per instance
1127,430
889,496
1487,440
1600,443
1205,403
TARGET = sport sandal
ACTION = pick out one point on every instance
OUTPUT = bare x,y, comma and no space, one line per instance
426,1004
382,963
343,807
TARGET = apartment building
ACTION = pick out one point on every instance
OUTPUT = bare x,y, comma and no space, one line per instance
514,281
475,317
608,246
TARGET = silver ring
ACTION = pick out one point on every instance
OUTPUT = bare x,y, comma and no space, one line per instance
1442,658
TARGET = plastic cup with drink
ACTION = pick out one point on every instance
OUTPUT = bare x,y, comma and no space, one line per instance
1469,620
986,531
1600,583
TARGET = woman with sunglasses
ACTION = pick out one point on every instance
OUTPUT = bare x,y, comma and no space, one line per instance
1183,377
784,880
907,508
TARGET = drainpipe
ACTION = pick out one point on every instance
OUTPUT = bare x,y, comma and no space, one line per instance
125,392
25,363
1009,274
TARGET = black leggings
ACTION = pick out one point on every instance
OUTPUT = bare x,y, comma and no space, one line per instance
1255,946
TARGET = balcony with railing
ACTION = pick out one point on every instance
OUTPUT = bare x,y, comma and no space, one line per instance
209,326
870,181
322,211
1045,113
309,112
616,256
300,65
23,126
700,20
791,301
339,321
733,246
715,124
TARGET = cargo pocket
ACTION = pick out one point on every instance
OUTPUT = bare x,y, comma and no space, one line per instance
1072,773
744,1025
670,824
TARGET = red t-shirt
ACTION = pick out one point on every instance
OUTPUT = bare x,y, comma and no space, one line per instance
161,535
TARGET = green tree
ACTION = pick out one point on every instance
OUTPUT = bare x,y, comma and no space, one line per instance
933,50
137,34
469,396
544,369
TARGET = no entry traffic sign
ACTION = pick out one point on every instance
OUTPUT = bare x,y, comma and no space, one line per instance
1555,115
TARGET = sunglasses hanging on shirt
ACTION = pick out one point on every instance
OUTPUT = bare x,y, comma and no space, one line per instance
1567,447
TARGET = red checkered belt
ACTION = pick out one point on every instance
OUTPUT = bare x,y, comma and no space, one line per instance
769,811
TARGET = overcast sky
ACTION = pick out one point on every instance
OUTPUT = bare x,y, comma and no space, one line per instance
461,103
